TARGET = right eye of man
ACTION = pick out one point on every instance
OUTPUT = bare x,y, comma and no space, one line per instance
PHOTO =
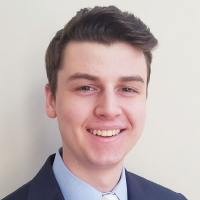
84,88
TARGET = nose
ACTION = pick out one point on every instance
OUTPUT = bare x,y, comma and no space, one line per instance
108,106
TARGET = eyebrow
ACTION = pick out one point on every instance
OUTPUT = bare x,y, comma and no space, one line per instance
82,76
95,78
131,78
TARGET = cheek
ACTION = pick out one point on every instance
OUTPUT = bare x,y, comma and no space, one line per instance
73,112
137,114
141,112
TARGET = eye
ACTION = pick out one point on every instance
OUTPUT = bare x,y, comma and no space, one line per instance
127,89
84,88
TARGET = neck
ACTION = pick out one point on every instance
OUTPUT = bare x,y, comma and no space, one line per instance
102,178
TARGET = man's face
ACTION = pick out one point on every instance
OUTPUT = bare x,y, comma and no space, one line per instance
101,90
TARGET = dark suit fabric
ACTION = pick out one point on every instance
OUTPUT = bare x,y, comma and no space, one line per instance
45,187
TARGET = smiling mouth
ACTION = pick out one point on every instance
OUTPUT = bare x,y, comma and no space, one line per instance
105,133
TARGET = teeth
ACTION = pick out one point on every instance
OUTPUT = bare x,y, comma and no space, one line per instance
105,133
98,132
94,132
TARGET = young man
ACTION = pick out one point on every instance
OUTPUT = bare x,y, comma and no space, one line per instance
98,69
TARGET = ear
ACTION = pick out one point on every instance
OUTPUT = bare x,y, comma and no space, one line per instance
50,102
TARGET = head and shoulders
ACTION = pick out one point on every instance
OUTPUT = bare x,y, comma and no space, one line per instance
98,67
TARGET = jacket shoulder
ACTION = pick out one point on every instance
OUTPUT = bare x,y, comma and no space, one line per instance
20,194
151,190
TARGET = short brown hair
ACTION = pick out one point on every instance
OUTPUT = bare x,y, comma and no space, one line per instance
103,25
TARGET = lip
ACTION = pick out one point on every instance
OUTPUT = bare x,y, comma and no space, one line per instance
113,127
121,130
106,139
106,127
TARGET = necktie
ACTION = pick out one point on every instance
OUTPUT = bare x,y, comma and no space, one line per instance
109,197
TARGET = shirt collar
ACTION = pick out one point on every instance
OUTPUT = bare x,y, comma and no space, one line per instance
74,188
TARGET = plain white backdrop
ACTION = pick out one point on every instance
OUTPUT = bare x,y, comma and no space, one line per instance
168,151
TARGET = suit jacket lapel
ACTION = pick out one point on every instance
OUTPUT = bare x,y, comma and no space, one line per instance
135,191
44,186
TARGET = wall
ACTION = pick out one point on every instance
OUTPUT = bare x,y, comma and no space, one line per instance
167,153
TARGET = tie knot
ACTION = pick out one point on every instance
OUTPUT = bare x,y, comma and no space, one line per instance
109,197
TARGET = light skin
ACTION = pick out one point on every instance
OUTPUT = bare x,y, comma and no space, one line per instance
100,87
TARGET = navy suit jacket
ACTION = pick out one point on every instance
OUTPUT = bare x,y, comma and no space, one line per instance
45,187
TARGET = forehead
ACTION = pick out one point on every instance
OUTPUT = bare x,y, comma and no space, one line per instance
107,60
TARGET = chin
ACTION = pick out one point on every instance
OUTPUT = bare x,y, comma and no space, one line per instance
107,160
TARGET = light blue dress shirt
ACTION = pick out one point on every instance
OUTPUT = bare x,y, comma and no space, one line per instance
74,188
